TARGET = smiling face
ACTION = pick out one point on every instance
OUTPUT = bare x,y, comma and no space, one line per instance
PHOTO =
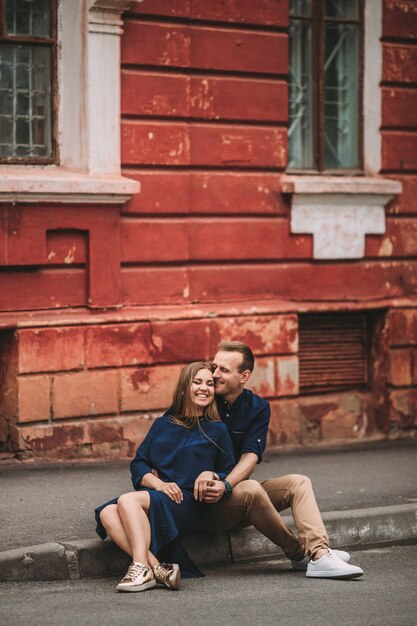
229,380
202,388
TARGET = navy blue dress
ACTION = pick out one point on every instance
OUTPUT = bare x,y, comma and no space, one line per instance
179,455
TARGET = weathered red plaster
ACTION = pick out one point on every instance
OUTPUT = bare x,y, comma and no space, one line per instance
117,345
269,12
399,150
203,97
207,193
399,19
148,389
399,63
51,349
172,45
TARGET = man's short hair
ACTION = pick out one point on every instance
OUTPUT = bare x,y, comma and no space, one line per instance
248,362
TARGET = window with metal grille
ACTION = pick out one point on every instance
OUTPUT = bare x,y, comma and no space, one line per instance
333,351
325,85
27,62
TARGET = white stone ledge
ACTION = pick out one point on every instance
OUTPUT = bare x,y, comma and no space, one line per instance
56,184
339,184
339,211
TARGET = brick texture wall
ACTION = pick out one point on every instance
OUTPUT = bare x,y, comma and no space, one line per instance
399,154
92,391
204,252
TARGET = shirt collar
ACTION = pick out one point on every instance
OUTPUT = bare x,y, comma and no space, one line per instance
227,410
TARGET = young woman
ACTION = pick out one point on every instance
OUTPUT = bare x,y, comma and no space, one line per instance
147,523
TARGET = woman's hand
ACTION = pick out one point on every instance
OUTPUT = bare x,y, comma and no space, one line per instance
202,482
172,491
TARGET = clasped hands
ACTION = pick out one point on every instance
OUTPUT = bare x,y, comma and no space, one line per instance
208,490
205,489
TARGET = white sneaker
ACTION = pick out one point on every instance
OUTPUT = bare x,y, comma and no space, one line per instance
331,566
301,566
345,556
138,578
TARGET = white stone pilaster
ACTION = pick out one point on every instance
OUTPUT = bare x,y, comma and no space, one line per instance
372,76
103,86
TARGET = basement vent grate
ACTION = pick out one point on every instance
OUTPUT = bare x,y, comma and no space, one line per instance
333,351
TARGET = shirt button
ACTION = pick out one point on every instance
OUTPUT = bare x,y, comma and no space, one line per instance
227,414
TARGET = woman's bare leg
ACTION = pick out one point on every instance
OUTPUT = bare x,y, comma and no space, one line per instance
111,521
133,511
110,518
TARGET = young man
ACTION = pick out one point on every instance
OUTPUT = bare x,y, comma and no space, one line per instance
239,501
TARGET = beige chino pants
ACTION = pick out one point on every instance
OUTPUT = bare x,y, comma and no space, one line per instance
260,504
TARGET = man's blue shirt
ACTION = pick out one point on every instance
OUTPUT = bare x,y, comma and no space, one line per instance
247,421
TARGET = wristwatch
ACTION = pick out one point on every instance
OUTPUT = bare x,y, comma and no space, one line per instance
228,490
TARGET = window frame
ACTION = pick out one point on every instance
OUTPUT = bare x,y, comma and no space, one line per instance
51,41
318,20
88,167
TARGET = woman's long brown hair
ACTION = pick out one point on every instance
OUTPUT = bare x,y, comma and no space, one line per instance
184,411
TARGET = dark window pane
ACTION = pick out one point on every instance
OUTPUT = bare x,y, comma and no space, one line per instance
341,96
6,135
342,9
22,103
301,7
25,100
300,133
21,20
22,131
7,71
22,66
28,17
6,103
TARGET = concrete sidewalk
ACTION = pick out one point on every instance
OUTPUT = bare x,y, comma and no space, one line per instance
367,493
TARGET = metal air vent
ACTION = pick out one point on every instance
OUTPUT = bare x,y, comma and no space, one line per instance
333,351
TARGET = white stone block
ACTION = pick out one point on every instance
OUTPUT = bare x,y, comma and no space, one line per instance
338,222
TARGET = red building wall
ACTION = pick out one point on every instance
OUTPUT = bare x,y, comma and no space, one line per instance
204,105
399,154
103,305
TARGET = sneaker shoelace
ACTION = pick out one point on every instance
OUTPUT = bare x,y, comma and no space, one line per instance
135,570
163,571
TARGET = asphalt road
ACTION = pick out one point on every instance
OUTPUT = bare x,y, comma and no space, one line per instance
46,503
266,593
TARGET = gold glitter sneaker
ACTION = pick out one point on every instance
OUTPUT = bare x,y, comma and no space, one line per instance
138,578
168,574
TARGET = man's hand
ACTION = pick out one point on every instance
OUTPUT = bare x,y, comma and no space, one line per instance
172,491
201,484
214,492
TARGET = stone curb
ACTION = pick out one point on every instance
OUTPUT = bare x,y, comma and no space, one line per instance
90,558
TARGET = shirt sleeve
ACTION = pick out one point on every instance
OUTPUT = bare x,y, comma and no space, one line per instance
255,436
225,458
141,464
